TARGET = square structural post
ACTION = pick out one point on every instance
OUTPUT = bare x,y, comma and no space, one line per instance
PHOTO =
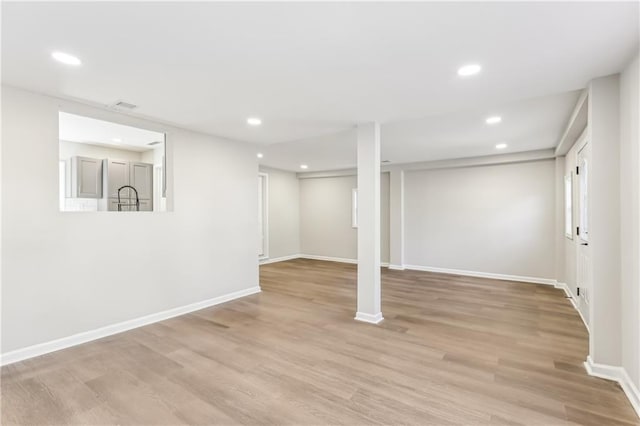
368,213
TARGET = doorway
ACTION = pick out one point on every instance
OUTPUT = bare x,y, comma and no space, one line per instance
583,273
263,216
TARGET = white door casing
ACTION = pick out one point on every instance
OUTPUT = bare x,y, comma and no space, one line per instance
263,216
583,273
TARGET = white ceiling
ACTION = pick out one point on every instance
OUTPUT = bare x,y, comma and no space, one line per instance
313,69
527,125
76,128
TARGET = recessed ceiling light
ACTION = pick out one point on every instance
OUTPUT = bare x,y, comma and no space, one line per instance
501,146
254,121
65,58
493,120
260,155
304,166
470,69
117,140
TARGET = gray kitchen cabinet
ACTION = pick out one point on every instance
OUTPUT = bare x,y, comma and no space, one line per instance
112,205
119,173
116,175
141,178
86,177
145,205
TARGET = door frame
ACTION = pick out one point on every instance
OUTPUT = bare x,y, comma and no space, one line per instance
582,143
264,213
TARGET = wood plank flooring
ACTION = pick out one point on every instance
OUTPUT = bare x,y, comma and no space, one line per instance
452,350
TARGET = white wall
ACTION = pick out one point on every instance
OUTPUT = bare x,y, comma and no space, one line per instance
630,218
153,156
494,219
71,149
284,213
604,220
66,273
325,217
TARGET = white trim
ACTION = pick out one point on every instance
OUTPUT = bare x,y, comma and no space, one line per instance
568,139
572,299
316,257
535,280
354,207
87,336
617,374
488,160
266,260
336,259
328,258
372,319
265,214
396,267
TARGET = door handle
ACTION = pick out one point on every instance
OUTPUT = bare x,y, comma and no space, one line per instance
584,244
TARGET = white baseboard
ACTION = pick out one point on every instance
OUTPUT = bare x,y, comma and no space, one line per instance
396,267
278,259
572,299
336,259
373,319
329,258
535,280
87,336
618,374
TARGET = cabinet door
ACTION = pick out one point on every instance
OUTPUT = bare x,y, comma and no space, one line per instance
145,205
113,204
87,177
141,178
117,176
129,205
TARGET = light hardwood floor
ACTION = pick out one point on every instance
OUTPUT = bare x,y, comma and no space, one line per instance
452,350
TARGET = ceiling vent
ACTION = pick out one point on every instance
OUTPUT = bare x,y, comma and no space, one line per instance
123,106
154,143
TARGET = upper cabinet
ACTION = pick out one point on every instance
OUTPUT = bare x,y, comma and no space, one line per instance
116,175
141,178
133,173
86,178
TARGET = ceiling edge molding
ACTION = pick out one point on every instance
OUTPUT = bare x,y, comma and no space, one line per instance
488,160
575,126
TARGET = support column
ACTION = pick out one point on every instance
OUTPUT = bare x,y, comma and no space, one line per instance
369,307
396,219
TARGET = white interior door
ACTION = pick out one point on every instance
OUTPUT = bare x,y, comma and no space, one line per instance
584,275
263,219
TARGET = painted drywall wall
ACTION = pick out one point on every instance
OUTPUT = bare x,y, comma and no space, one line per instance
559,235
325,217
66,273
71,149
284,213
494,219
630,218
604,220
153,156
